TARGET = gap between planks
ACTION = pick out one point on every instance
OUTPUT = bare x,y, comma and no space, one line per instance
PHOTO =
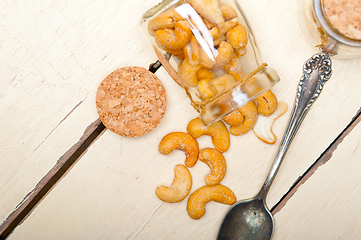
95,130
324,158
45,185
63,165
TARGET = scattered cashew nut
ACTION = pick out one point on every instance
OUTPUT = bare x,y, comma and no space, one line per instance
182,141
250,117
263,127
198,199
216,162
180,188
267,103
217,130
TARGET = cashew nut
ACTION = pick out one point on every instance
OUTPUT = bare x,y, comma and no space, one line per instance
225,52
237,36
182,141
241,51
208,23
219,39
234,118
164,20
229,25
214,31
179,68
204,73
228,12
207,88
220,83
191,51
216,162
210,10
205,60
174,39
180,188
267,103
188,73
217,130
198,199
204,89
263,127
250,117
234,68
217,32
178,52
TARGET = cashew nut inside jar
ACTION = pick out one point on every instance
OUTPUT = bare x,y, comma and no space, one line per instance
208,48
332,26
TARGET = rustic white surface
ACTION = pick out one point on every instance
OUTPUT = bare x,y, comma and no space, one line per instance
328,204
109,194
53,55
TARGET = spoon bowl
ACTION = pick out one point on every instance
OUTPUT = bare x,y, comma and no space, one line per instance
254,221
251,219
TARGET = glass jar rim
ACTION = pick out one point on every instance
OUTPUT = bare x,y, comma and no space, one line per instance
329,29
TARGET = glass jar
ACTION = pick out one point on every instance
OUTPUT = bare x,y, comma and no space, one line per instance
319,21
208,48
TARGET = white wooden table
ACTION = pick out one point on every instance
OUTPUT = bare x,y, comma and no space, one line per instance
54,54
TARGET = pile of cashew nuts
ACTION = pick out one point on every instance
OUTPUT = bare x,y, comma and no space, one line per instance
240,121
172,33
213,157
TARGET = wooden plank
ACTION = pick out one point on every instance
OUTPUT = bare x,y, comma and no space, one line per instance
109,193
285,48
323,159
326,206
53,55
50,179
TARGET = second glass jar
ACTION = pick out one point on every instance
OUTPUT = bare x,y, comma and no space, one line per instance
321,21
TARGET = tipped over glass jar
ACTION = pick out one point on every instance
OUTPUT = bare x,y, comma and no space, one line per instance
334,26
208,48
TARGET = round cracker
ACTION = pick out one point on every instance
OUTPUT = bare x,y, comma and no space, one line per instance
131,101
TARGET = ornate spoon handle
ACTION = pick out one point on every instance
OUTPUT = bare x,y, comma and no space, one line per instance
316,71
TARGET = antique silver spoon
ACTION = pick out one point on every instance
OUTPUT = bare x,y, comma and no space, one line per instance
251,218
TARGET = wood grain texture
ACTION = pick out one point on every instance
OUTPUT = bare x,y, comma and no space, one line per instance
53,55
109,194
323,159
327,205
49,180
114,197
